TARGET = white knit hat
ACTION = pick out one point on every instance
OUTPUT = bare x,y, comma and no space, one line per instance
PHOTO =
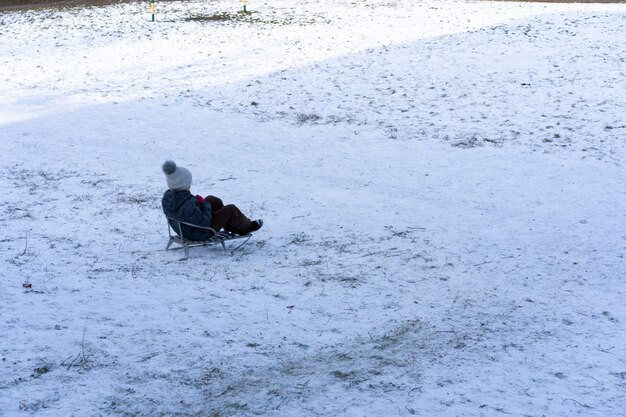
178,178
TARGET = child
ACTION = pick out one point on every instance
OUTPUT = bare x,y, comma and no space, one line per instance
180,204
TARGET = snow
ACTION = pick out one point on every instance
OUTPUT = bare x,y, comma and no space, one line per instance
441,182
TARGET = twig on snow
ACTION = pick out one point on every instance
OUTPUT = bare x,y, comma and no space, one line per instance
578,403
66,359
228,388
82,345
81,359
72,363
453,302
25,246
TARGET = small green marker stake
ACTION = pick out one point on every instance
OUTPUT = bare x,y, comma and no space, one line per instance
152,9
244,5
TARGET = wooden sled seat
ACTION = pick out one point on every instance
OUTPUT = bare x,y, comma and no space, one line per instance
216,237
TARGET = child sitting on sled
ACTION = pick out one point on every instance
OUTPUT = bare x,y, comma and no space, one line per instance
178,203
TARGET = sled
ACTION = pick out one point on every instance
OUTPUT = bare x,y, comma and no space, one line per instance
216,237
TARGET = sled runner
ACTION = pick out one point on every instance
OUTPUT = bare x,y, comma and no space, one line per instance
216,237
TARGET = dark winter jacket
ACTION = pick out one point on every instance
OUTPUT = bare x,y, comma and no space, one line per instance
185,207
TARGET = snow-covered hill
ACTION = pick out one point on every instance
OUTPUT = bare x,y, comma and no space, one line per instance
443,191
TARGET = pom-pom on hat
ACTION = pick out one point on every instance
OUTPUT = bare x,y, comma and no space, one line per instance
178,178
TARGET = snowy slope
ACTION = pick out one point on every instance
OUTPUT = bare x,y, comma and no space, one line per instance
442,184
